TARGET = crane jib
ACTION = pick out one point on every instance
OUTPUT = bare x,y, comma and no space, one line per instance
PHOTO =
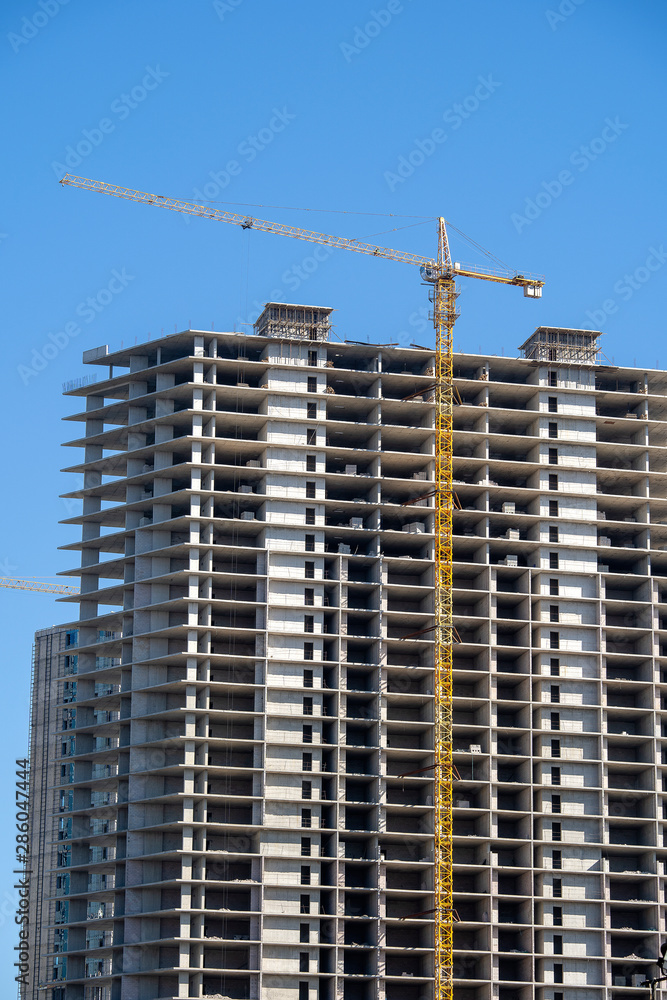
430,265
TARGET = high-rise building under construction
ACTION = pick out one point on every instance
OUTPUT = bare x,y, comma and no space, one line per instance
238,797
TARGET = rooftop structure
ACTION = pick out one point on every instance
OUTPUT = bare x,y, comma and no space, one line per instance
280,319
556,345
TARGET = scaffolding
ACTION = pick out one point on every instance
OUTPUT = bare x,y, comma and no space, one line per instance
283,319
560,345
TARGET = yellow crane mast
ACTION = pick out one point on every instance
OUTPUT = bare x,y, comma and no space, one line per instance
43,588
442,273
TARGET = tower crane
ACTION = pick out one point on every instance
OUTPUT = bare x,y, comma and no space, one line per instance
440,272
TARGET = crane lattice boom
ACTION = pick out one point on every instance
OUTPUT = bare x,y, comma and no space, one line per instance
44,588
444,267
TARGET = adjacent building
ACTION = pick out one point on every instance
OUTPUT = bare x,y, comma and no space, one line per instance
50,819
237,778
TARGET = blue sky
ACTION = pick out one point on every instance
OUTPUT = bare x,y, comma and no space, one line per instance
535,126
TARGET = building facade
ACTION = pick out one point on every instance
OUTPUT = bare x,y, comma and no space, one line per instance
244,795
560,681
256,541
